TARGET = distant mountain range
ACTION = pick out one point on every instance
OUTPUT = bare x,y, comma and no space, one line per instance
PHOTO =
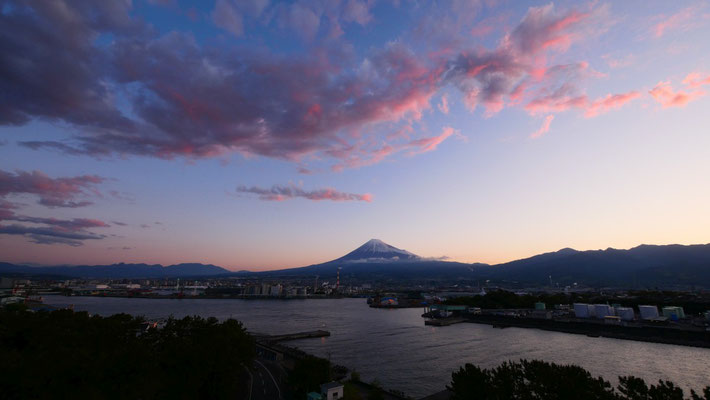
642,266
118,271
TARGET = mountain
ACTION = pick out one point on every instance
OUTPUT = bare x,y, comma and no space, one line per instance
376,250
645,266
377,260
118,271
642,266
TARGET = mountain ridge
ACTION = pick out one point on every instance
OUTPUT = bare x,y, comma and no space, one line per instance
643,265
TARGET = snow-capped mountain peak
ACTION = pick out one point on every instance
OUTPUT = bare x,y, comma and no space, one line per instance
378,250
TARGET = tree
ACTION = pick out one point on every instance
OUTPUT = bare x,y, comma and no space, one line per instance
307,375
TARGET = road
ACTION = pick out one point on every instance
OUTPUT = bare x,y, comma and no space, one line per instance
268,380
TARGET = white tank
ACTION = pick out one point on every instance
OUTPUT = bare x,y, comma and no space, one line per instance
603,310
581,310
625,313
648,312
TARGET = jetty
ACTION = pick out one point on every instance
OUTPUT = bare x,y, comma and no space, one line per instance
292,336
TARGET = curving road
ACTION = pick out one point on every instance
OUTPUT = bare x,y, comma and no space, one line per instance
268,379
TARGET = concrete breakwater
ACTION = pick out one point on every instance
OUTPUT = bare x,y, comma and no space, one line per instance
660,334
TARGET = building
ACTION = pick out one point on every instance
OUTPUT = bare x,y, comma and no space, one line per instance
648,312
603,310
332,391
625,313
276,290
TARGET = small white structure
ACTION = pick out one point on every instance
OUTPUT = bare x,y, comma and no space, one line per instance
583,310
603,310
625,313
332,390
648,312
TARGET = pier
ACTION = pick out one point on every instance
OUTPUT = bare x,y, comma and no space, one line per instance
293,336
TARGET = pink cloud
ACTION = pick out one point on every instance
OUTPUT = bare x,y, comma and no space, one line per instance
424,145
695,80
544,128
444,105
52,192
682,20
664,94
610,102
282,193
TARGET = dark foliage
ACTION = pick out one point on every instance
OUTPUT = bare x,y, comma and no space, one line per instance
307,375
65,354
527,380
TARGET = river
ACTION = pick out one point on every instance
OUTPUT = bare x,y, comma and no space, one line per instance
396,348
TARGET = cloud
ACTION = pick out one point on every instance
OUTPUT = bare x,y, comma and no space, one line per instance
610,102
542,28
695,80
71,232
244,99
282,193
424,145
52,192
664,93
69,225
226,16
444,105
518,64
682,20
49,235
544,128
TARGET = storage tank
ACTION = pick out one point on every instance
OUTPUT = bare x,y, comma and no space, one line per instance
673,313
603,310
625,313
648,312
581,310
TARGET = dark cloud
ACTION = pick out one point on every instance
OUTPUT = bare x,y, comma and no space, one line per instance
50,234
52,192
51,67
282,193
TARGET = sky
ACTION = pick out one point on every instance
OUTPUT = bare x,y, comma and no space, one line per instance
256,134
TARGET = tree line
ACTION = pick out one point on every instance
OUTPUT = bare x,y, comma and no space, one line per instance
533,380
66,354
